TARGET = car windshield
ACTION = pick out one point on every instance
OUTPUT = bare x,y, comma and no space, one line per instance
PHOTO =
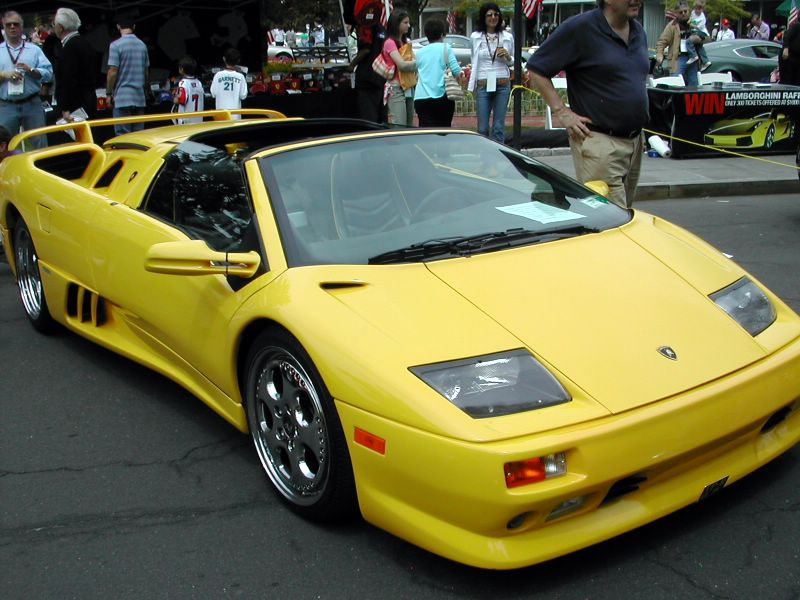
422,196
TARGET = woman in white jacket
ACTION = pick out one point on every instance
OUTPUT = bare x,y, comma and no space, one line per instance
490,79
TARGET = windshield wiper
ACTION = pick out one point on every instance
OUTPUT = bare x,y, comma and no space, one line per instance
467,245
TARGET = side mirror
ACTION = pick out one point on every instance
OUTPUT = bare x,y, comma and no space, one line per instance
599,187
196,258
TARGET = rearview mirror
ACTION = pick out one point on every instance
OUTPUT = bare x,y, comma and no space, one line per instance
196,258
599,187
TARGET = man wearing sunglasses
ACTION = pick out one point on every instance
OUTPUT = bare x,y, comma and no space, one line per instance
23,70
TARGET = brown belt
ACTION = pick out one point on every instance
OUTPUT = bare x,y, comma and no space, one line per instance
504,81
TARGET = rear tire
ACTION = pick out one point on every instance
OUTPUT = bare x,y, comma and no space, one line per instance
296,430
29,280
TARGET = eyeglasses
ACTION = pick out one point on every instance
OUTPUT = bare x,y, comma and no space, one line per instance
12,24
493,15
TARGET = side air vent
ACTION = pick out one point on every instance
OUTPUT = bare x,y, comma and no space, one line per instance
85,306
67,166
341,285
623,487
107,177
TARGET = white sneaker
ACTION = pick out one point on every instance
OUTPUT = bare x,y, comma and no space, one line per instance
691,60
704,66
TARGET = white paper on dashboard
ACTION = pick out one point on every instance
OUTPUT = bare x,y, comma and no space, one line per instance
540,212
593,202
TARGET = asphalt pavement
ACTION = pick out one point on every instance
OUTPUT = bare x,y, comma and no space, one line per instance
664,178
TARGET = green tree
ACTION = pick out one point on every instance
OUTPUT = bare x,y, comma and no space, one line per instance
718,9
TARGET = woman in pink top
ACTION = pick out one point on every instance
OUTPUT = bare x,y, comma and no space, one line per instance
397,50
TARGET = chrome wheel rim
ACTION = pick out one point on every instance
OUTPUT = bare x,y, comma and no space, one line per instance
28,277
770,137
289,429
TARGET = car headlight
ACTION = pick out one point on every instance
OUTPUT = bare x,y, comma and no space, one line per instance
747,304
495,384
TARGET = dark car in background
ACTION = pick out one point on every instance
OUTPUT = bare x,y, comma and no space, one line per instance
744,59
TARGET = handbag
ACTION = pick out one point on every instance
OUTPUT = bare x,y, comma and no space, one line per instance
408,79
383,68
452,88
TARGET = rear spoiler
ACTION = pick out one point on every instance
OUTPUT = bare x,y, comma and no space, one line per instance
83,129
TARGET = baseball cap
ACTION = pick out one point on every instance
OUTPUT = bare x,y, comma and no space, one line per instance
726,22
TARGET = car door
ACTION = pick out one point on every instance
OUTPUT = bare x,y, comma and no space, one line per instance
757,61
59,216
200,194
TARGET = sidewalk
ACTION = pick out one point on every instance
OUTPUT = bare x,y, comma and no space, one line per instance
696,177
684,178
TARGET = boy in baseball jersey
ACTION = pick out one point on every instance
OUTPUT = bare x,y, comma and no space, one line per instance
229,87
189,95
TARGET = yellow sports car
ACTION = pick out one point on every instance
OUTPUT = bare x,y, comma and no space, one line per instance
481,355
760,131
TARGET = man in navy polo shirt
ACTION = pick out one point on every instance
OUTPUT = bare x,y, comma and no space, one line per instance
604,54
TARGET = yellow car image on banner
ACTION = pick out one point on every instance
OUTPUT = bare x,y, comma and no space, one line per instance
477,353
759,131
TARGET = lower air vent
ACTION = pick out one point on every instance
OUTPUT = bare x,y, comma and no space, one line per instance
776,418
85,306
623,487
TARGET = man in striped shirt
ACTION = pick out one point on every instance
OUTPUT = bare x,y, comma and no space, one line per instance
127,80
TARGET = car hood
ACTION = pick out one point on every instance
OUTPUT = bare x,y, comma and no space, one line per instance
599,307
594,309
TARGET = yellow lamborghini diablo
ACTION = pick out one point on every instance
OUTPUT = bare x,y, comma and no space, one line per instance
481,355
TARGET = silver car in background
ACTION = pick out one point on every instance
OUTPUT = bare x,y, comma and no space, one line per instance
461,44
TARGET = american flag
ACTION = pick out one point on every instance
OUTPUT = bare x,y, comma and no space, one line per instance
451,22
386,9
793,13
270,38
529,7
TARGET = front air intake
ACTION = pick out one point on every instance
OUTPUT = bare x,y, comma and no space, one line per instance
624,486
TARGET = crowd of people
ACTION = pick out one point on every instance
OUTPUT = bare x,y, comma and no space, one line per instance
602,51
417,81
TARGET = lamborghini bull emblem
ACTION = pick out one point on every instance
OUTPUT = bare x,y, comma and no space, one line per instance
668,352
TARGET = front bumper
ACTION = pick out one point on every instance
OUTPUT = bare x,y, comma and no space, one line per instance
731,141
449,496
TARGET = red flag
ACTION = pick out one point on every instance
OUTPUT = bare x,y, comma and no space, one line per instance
386,4
529,7
451,22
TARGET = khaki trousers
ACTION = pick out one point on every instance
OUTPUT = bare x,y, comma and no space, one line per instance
617,161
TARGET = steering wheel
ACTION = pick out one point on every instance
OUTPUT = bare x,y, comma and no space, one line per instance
438,202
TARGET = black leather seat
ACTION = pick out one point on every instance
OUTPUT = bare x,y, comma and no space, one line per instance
366,195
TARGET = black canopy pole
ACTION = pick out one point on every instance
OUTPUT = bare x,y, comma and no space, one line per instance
518,41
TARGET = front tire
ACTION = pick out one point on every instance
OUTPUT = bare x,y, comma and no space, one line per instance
296,431
769,139
29,280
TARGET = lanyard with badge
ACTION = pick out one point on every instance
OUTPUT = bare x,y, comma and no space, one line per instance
15,86
491,76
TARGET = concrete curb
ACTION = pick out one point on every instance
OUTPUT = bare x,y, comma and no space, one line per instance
663,191
694,183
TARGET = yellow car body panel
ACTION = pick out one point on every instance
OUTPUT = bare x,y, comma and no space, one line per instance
581,306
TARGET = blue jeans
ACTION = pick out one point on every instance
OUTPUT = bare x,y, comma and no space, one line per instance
497,103
127,111
28,115
689,72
